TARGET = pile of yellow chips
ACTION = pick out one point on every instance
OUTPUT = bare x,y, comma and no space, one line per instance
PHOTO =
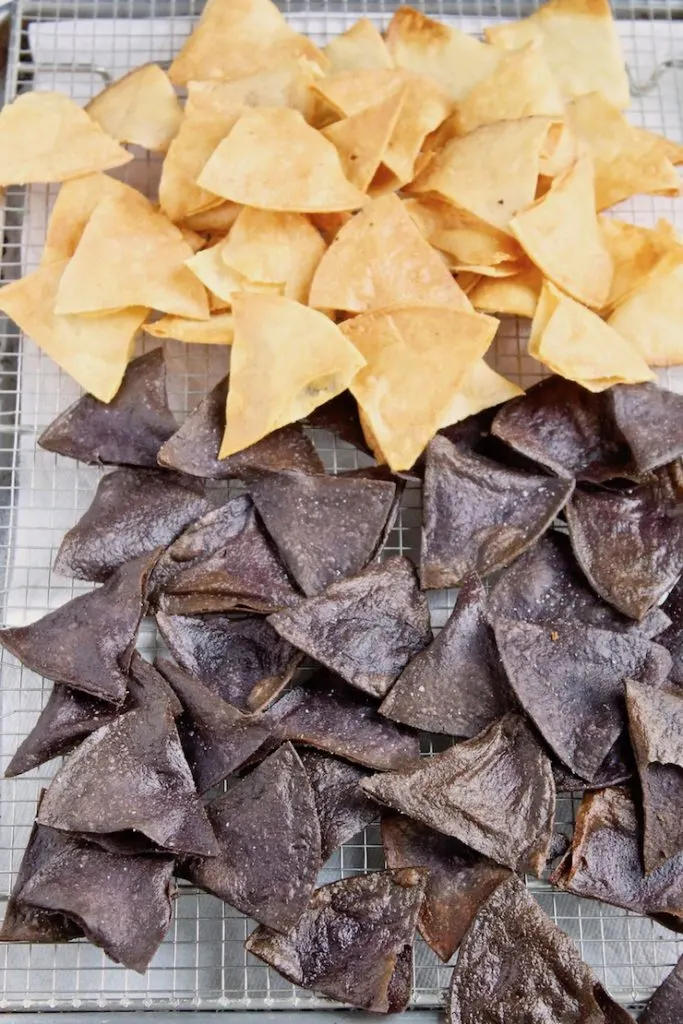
351,217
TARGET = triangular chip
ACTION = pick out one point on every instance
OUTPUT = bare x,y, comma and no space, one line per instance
666,1004
576,700
292,357
131,777
650,419
560,233
481,389
343,808
635,252
516,295
219,329
364,627
380,258
473,172
130,430
379,911
515,963
574,342
650,316
269,843
362,140
88,642
456,685
130,255
221,281
243,660
238,38
141,108
72,210
360,48
216,738
133,512
495,793
325,527
94,350
465,239
459,879
580,43
478,515
222,563
45,136
627,160
630,545
246,167
194,447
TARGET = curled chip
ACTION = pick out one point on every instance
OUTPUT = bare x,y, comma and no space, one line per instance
141,108
481,389
219,329
360,48
72,210
269,844
364,627
373,972
478,515
459,881
664,1006
495,793
635,252
45,136
650,316
362,141
130,430
456,685
325,527
343,808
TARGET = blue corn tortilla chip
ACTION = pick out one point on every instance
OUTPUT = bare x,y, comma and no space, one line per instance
665,1006
650,419
343,808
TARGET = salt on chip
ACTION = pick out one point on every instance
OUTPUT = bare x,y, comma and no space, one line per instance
283,249
627,160
236,38
635,252
217,330
141,108
560,233
581,45
362,140
286,360
73,207
417,357
465,239
515,296
360,48
273,160
45,136
380,258
94,350
650,317
482,388
574,342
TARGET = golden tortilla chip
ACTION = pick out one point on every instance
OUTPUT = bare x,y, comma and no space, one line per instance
286,360
236,38
574,342
218,220
560,233
94,350
380,258
273,160
560,151
141,108
650,318
73,207
463,237
362,140
481,389
417,357
280,249
492,172
360,48
131,255
515,296
45,136
287,84
580,43
217,330
627,160
222,281
457,61
635,251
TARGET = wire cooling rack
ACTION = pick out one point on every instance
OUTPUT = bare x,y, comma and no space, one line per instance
77,47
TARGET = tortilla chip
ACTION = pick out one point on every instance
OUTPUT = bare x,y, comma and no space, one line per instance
194,447
635,252
650,317
651,421
573,341
130,430
364,627
246,167
630,545
219,329
561,150
665,1003
222,281
360,48
67,643
94,350
72,210
147,686
373,971
479,516
474,172
580,43
672,639
343,809
216,219
224,562
362,141
617,768
464,238
130,255
495,793
516,295
141,108
292,357
45,136
325,527
242,660
481,389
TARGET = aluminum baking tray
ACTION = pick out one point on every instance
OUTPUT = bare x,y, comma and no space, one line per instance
77,47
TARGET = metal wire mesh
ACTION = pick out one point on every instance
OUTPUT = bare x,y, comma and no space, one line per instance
75,47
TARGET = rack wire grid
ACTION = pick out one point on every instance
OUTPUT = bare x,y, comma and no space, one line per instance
76,47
